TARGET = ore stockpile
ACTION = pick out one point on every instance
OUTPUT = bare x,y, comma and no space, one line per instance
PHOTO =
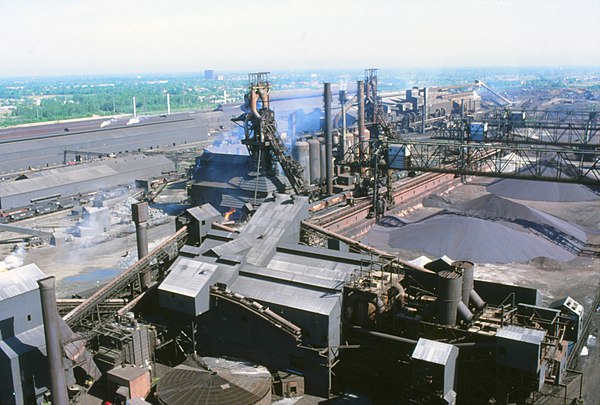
493,228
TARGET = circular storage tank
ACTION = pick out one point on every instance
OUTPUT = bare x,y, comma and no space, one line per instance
449,295
300,152
314,150
216,382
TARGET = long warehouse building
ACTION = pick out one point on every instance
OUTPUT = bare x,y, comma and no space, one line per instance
83,178
22,152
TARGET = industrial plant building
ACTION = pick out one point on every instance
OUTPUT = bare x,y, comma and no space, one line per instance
80,179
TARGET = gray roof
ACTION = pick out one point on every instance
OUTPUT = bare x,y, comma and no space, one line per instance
19,281
127,169
520,334
298,297
204,212
188,277
432,351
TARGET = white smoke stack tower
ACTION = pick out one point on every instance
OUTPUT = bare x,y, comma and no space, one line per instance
134,109
168,104
224,96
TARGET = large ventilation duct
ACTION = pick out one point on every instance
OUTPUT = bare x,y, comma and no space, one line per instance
52,334
328,141
139,212
449,295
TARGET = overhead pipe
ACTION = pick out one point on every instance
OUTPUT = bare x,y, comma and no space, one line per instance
52,336
361,246
328,141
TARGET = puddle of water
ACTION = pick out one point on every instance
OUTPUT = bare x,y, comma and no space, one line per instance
93,276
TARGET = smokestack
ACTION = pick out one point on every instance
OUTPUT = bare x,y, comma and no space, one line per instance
50,315
328,141
134,108
342,137
168,104
424,116
139,212
361,118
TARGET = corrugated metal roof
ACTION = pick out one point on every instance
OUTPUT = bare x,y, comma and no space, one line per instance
432,351
521,334
19,281
271,292
129,169
203,212
187,277
232,201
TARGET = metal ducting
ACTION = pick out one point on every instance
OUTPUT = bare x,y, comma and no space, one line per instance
449,295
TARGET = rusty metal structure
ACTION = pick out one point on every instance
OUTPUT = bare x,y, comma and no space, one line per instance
260,133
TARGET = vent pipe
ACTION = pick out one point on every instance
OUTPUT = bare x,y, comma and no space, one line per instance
328,141
139,212
52,335
361,118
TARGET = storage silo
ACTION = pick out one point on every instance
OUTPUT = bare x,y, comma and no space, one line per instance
300,152
315,160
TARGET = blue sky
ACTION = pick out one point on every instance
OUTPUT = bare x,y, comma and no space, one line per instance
42,37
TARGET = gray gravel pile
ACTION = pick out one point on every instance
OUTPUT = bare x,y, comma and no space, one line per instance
467,238
493,206
533,190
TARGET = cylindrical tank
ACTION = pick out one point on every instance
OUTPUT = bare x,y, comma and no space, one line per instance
300,152
314,149
449,295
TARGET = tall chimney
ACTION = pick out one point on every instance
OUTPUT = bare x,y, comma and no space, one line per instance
139,212
52,334
168,104
328,141
361,118
134,108
424,116
342,136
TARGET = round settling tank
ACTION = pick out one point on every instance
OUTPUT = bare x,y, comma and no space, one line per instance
300,152
314,149
215,381
449,295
